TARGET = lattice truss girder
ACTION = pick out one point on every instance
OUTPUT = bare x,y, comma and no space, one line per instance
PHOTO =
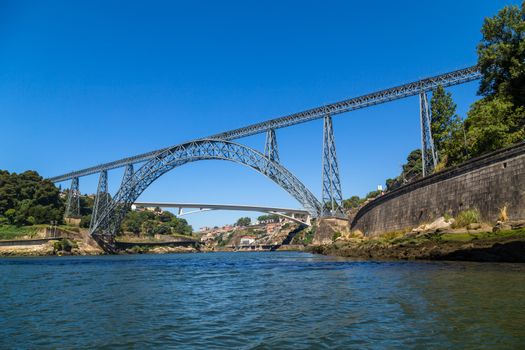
108,221
102,197
428,152
410,89
271,150
73,199
332,197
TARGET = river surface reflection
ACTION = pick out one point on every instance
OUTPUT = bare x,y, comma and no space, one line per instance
259,300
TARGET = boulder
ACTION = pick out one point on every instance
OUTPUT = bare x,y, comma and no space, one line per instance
474,226
501,226
437,225
517,224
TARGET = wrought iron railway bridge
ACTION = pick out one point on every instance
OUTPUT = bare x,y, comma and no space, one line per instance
108,211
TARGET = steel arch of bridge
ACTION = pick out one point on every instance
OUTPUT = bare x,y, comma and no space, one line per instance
108,222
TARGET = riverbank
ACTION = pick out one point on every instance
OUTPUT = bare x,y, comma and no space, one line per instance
472,245
502,246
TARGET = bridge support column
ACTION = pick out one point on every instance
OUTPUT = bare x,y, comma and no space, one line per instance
101,199
429,157
128,174
73,199
271,150
332,198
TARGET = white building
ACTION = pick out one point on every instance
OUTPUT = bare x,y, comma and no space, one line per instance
247,240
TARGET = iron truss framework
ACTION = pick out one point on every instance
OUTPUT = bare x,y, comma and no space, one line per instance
332,197
108,222
102,198
428,151
271,150
73,199
411,89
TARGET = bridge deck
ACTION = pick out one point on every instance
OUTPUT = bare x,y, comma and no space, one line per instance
411,89
222,206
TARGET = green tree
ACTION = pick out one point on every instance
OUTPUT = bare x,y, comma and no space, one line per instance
445,123
244,221
494,123
180,226
147,222
27,199
148,227
413,168
410,171
166,216
162,229
85,221
352,202
501,55
272,217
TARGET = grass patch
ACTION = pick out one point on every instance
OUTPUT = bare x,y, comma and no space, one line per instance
69,228
390,236
457,237
467,217
466,237
13,232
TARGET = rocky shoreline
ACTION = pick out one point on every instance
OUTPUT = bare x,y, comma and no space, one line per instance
508,246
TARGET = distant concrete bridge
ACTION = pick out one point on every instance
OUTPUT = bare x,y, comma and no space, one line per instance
298,215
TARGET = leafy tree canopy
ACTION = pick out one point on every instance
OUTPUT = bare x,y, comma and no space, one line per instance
27,199
244,221
157,222
272,217
501,55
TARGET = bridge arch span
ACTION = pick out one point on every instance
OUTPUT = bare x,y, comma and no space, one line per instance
109,219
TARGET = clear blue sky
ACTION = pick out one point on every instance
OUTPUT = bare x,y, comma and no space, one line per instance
83,83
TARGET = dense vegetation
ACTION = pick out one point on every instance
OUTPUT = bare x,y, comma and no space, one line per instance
270,217
243,222
495,121
155,222
498,119
140,222
28,199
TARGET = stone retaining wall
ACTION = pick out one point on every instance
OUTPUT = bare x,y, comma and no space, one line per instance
487,183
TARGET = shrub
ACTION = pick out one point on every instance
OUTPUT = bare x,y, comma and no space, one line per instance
466,217
447,217
64,245
136,249
336,235
503,216
389,236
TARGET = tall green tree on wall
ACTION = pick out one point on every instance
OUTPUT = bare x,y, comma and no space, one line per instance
446,126
501,55
498,119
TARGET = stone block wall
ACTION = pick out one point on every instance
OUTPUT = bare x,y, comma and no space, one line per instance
487,183
327,227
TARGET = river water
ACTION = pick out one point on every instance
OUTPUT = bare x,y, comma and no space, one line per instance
258,301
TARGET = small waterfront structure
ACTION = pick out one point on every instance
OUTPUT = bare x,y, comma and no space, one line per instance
247,240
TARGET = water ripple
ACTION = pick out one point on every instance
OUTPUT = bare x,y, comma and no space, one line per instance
258,301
